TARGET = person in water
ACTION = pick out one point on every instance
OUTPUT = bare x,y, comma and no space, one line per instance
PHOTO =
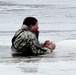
25,41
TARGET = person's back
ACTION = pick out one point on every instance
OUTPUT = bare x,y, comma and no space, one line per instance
25,41
22,41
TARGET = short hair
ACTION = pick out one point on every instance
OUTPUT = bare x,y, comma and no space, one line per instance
30,21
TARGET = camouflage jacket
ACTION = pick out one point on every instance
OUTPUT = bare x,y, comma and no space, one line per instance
26,42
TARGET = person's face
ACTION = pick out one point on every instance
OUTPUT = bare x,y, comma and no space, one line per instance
35,27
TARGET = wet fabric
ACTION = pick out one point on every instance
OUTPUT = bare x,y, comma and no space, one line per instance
26,42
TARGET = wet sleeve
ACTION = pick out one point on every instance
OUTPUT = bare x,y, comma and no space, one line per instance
37,47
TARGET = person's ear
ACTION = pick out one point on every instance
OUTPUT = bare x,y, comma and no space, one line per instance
30,26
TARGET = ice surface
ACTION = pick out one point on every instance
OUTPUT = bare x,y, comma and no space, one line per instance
61,62
57,22
54,68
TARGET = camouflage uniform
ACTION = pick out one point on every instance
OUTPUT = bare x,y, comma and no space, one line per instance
26,42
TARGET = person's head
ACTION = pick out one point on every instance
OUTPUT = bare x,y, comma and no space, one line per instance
32,23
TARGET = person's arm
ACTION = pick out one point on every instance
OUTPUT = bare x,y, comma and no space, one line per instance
37,48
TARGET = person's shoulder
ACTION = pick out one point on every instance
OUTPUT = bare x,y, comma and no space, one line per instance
29,33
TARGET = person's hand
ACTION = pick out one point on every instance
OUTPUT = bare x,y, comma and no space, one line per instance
50,44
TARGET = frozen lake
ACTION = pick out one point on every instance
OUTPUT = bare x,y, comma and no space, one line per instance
61,62
57,22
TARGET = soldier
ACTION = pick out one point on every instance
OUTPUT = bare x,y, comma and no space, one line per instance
25,41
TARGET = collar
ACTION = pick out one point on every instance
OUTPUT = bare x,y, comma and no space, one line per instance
25,27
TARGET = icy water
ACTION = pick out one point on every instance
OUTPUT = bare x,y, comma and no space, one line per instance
57,19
